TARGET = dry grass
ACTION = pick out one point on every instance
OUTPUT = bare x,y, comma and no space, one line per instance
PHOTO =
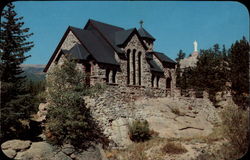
136,151
174,148
176,111
236,128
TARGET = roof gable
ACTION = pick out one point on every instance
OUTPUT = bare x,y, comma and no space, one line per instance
56,50
97,47
123,37
144,34
106,31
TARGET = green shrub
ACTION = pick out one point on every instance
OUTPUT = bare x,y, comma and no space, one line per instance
236,128
139,131
68,119
41,97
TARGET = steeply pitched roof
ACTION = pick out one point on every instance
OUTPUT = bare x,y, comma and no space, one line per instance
106,31
122,36
56,50
100,40
154,66
143,33
77,52
163,58
97,47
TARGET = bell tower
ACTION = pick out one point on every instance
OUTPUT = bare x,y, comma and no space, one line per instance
147,38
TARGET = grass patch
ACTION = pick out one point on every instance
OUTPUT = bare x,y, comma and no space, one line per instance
138,151
174,148
176,111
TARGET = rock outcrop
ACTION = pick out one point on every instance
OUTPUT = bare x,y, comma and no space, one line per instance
169,116
27,150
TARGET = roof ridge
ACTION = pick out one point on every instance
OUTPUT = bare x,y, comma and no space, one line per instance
143,33
106,23
103,35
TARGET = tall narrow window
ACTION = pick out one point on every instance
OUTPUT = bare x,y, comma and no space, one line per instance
139,68
134,71
168,83
113,76
157,81
152,80
107,75
128,66
87,73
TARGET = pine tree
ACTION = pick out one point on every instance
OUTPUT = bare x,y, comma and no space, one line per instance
14,95
211,72
240,51
68,119
180,56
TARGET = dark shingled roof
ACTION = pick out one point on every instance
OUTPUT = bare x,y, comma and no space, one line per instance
163,58
106,30
102,41
143,33
77,52
97,47
122,36
154,66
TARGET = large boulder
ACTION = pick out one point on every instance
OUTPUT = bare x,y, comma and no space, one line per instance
61,156
120,132
17,145
38,151
10,153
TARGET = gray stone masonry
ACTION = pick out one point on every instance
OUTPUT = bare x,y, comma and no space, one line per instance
139,69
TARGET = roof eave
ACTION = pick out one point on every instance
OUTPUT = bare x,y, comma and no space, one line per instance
56,50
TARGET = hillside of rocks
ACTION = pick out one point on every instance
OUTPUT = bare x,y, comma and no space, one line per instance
192,123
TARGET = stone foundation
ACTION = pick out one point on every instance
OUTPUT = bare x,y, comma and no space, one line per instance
116,103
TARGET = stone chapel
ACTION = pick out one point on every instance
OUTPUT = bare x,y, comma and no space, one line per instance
116,56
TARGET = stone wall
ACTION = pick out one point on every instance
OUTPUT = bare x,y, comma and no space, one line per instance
98,71
135,44
116,102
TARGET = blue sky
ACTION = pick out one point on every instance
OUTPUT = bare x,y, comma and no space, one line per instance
175,25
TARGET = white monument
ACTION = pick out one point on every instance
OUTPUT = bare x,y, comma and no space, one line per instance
192,60
195,46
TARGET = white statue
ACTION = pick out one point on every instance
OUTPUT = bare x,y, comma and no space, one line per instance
195,46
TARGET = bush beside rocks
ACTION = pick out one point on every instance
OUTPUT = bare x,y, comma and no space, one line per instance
139,131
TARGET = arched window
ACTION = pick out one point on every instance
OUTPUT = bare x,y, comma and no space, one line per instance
152,80
134,71
139,68
113,76
128,66
157,81
168,83
107,75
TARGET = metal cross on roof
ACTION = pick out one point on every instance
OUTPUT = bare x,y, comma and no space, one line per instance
141,22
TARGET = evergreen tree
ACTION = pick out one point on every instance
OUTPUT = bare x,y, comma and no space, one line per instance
68,119
240,70
14,95
211,72
180,56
